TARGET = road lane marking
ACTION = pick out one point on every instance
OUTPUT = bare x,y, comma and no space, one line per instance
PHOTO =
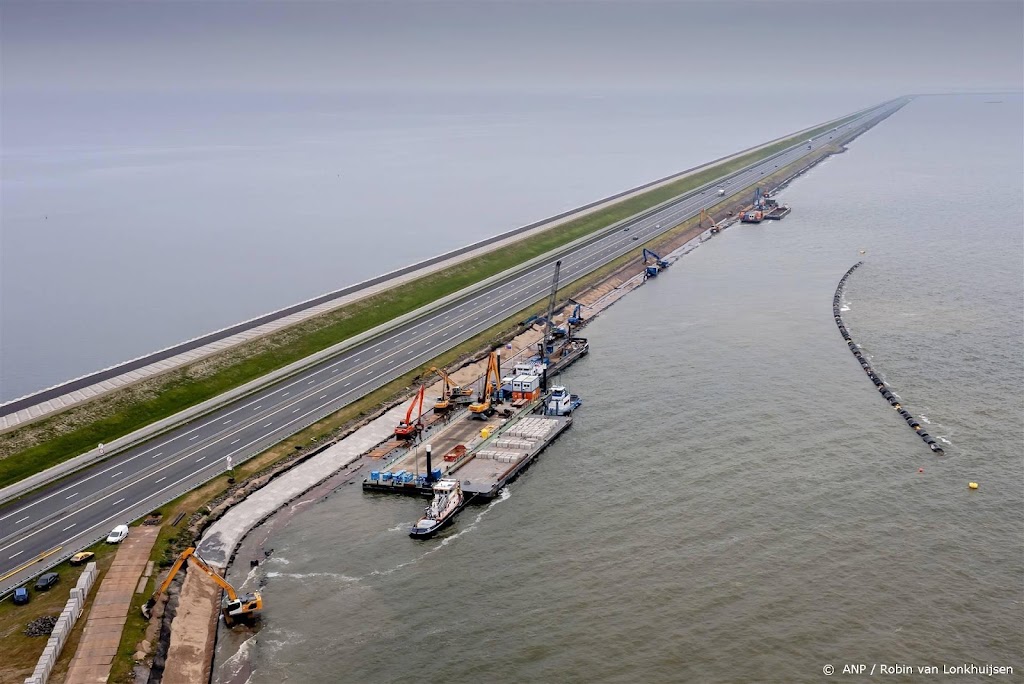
335,370
297,410
72,496
117,502
286,394
117,473
258,407
200,459
193,437
69,527
17,554
160,480
157,454
226,421
236,441
22,520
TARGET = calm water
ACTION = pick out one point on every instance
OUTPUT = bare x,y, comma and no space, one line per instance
130,224
735,501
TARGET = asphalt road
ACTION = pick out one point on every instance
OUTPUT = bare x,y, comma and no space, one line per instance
74,513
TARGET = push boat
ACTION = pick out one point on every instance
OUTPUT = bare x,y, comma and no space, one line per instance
447,502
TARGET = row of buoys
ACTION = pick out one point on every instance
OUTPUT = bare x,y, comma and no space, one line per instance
879,383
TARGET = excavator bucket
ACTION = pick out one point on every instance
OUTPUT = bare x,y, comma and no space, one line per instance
147,608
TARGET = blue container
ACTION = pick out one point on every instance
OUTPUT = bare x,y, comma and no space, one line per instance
374,475
386,476
436,472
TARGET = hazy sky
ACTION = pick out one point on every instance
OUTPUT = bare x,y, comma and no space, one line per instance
878,48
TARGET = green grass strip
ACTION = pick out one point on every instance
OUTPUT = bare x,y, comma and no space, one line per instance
179,391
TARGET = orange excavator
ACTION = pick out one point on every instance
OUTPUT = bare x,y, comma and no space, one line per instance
407,429
235,608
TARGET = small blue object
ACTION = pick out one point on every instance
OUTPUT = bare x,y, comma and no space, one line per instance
436,472
386,475
374,475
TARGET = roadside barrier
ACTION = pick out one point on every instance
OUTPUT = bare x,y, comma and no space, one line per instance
866,365
65,623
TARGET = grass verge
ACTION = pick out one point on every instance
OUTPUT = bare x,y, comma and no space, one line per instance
35,447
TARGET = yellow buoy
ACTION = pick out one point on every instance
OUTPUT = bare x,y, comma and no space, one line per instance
972,485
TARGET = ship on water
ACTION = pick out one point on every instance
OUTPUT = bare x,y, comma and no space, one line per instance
447,502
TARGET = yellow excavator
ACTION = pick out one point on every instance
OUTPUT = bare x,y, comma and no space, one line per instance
705,215
452,393
483,408
235,608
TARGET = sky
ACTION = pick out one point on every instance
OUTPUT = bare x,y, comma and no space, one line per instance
881,49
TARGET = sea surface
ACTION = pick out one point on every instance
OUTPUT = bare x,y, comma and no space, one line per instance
735,502
133,222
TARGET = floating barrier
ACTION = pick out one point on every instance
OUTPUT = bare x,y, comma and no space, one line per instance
886,393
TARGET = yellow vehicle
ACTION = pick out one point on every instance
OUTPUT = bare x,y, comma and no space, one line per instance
234,608
705,215
80,558
483,408
452,393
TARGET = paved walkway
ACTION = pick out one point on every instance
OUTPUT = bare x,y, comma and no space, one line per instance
102,635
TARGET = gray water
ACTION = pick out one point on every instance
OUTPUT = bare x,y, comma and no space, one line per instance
735,502
133,223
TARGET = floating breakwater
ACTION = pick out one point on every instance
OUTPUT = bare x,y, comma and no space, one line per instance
883,389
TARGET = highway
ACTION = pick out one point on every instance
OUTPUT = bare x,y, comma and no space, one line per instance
74,513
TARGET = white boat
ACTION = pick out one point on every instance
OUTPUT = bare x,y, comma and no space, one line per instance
447,502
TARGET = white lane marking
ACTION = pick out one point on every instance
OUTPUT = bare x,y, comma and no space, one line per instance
356,360
17,554
325,396
200,459
286,394
226,421
193,437
117,502
16,522
375,350
69,527
297,410
160,480
160,453
268,424
117,473
335,370
257,407
236,441
311,382
72,496
391,362
345,385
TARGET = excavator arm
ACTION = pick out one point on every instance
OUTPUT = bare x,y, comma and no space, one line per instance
233,608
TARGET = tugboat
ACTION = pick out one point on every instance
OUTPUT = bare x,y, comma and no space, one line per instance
447,502
561,403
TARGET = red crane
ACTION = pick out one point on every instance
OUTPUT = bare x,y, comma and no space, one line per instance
407,428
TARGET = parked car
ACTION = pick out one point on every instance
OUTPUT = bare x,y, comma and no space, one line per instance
118,534
82,557
20,596
46,581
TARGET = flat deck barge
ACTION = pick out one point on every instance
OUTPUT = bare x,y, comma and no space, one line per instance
498,460
777,214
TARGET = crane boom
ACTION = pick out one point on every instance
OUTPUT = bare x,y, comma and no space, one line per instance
233,608
551,309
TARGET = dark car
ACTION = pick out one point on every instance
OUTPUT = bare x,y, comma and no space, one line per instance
20,596
46,581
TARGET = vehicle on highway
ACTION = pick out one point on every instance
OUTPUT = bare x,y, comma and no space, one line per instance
118,534
20,596
46,581
82,557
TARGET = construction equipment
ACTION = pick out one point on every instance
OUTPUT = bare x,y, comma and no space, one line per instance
756,213
658,264
452,394
484,408
705,215
234,608
407,428
576,317
545,346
